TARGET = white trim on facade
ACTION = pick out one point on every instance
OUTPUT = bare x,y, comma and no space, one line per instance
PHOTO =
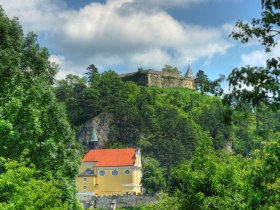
131,185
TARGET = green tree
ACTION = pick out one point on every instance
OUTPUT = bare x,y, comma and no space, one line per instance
92,71
264,179
21,189
257,85
152,180
30,116
210,180
205,85
65,88
169,68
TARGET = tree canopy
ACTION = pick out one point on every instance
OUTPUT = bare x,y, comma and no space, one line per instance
169,68
31,118
257,85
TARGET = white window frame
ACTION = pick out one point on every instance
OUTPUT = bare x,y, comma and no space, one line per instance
116,173
100,172
129,172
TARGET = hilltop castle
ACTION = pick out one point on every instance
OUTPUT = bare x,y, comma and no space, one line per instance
161,79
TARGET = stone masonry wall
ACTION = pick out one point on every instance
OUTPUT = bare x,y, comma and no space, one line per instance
169,81
159,79
104,202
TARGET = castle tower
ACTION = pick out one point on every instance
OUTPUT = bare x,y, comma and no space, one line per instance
189,72
93,142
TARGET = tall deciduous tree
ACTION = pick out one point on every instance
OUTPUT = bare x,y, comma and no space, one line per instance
30,116
205,85
20,188
153,180
92,70
256,85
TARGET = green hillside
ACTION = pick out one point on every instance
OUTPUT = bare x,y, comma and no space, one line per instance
204,154
166,123
199,151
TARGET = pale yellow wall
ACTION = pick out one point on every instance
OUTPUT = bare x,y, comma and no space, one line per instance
89,183
109,184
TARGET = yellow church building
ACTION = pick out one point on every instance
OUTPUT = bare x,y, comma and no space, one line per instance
109,171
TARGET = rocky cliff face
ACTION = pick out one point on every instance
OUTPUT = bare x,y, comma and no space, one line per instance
101,123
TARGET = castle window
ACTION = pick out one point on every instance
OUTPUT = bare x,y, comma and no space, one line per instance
84,187
84,179
115,172
127,172
102,173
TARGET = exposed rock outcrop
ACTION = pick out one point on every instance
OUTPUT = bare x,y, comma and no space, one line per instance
101,123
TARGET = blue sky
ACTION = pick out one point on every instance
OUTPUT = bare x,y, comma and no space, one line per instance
126,34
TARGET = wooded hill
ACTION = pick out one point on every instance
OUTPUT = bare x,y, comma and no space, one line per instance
166,123
182,133
175,125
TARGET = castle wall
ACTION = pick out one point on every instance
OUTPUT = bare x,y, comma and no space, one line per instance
154,80
104,202
160,79
169,80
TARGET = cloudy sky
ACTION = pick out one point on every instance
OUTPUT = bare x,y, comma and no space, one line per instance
124,35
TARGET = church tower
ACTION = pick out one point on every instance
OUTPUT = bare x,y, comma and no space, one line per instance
93,142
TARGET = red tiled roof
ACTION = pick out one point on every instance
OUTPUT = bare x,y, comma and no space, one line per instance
111,157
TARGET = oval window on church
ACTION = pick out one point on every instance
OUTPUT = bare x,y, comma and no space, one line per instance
102,173
115,172
127,172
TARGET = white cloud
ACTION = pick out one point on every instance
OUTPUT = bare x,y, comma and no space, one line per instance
154,57
118,34
152,4
59,59
259,57
35,15
254,58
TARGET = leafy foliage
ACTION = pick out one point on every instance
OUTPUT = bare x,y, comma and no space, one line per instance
21,189
258,85
264,179
30,116
158,120
210,181
169,68
215,180
204,85
153,180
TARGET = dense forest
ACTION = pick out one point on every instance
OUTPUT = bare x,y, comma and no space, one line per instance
194,146
201,149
